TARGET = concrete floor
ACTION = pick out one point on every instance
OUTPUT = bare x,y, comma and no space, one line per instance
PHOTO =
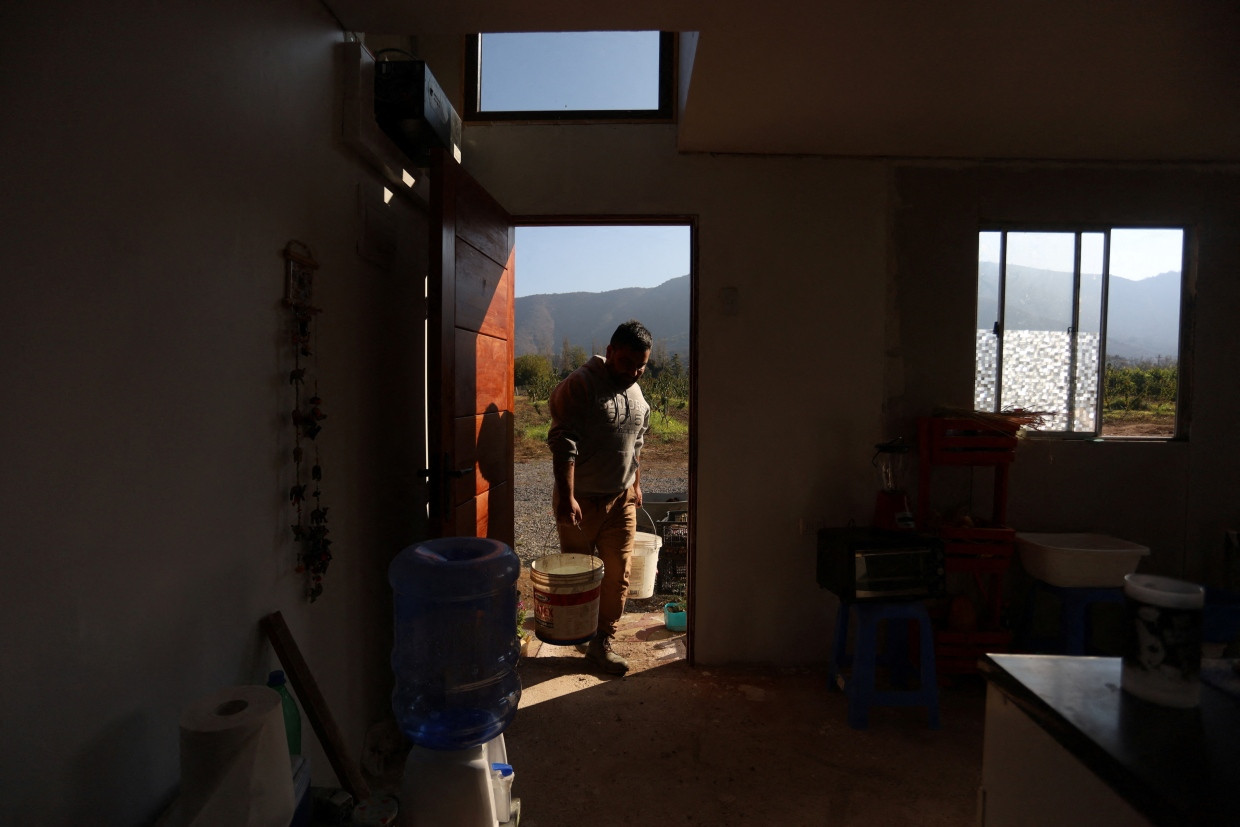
672,745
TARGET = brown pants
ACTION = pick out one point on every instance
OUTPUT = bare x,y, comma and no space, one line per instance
608,528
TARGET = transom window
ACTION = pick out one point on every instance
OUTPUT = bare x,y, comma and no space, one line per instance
569,75
1082,324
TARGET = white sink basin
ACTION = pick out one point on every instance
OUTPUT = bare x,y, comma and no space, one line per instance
1078,560
657,507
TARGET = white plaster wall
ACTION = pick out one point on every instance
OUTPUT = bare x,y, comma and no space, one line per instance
1177,498
155,160
855,316
790,388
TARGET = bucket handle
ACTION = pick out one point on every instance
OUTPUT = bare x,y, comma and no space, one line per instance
651,519
547,543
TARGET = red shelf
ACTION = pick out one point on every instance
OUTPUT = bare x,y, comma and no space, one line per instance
967,441
957,653
985,552
977,542
962,534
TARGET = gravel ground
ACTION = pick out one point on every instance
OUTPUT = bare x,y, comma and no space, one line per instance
535,527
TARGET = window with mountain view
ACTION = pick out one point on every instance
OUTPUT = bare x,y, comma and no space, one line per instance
1083,326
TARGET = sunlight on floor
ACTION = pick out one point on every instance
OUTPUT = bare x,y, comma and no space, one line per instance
640,637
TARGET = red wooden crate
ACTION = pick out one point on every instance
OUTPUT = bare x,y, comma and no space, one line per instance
957,653
951,441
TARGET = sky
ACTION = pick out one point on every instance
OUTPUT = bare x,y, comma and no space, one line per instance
533,71
599,258
1136,254
570,70
582,70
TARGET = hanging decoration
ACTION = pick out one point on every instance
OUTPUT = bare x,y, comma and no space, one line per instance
306,493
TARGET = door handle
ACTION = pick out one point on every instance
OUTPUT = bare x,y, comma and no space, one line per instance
461,473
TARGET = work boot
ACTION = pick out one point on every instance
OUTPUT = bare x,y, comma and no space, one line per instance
599,651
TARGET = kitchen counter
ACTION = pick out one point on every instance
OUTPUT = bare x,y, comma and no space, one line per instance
1170,766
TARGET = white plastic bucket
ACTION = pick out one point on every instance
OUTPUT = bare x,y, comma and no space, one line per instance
644,565
1162,658
566,591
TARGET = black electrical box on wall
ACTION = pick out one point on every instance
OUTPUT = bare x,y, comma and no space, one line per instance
413,111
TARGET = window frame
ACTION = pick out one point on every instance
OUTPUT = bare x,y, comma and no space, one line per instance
665,113
1184,359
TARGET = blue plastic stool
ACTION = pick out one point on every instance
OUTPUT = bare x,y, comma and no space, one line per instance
860,686
1074,603
1222,616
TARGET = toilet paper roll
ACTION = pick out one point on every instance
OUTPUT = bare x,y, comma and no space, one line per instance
234,762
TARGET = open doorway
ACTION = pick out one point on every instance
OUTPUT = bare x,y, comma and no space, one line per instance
575,281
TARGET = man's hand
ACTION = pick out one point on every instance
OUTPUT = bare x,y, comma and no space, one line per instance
637,494
567,511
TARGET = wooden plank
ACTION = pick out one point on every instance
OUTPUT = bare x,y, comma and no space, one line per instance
501,513
485,379
315,705
482,222
483,293
490,514
485,442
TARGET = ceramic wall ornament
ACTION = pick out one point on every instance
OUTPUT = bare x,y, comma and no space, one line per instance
306,493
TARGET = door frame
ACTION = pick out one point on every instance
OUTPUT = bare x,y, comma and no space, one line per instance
666,219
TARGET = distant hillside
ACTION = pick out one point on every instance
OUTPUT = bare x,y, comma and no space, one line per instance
588,319
1143,321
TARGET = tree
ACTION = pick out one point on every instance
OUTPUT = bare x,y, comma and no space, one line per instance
674,368
668,382
658,357
533,373
571,357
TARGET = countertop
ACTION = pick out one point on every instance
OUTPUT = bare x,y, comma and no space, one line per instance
1175,766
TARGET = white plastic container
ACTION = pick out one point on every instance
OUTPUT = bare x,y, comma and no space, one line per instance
1079,560
657,506
644,565
566,594
1162,659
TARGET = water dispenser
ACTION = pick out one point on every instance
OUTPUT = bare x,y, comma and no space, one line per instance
454,656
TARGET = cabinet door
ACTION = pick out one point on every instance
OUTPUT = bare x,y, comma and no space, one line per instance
1029,779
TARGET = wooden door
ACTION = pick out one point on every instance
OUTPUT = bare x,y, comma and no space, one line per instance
469,355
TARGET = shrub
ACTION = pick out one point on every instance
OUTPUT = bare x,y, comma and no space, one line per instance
534,373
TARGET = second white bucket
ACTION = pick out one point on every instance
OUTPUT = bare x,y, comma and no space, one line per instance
566,591
644,564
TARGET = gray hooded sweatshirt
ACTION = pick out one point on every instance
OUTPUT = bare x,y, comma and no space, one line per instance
599,427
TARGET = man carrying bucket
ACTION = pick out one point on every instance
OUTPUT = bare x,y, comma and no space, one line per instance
598,421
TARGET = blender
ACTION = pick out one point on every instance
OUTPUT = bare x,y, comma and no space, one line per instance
891,507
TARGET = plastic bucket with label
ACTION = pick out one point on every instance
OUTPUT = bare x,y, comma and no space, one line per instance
566,593
644,565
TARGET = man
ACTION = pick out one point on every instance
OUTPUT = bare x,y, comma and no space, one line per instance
598,422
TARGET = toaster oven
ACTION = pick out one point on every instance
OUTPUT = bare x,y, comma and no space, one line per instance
859,564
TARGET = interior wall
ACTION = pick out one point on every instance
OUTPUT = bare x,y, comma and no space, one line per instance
791,286
829,352
157,159
855,285
1175,497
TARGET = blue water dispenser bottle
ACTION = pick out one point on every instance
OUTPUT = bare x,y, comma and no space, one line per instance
456,649
454,656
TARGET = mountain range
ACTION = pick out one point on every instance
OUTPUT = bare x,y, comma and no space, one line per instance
544,321
1143,322
1143,319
